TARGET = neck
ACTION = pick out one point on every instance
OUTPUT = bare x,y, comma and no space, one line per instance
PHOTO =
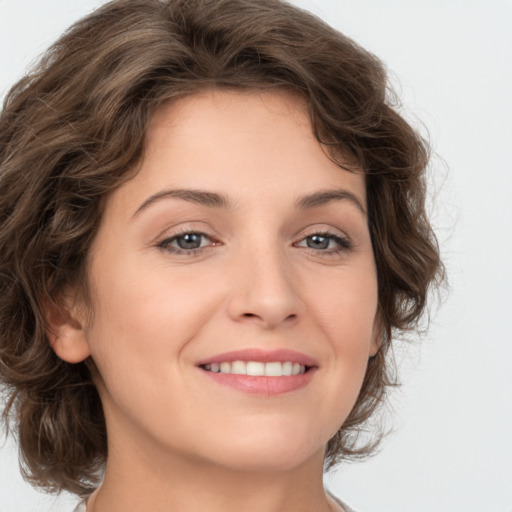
142,480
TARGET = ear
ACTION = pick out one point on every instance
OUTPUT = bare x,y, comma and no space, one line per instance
66,330
377,334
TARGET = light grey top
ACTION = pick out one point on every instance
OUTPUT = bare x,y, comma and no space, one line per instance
345,508
82,505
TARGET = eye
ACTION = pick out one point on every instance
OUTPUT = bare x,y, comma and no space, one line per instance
326,242
188,243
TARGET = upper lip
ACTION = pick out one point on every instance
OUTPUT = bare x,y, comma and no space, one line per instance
261,355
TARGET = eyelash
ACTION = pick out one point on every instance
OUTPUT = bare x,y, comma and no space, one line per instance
166,243
344,243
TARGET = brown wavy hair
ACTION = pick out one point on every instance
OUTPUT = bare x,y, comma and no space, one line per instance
74,127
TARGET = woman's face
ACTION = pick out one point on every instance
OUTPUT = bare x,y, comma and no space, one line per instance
238,240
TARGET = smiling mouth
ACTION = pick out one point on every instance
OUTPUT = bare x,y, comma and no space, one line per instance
261,373
257,368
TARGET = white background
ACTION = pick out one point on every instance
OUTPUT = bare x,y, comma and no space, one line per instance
451,449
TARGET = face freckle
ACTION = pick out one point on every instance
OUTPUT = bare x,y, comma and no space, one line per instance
237,234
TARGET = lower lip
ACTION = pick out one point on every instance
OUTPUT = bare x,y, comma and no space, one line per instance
263,385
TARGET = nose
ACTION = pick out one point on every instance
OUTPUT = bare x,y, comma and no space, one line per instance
264,290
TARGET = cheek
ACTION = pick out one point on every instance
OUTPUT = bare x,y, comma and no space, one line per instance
346,314
142,318
346,307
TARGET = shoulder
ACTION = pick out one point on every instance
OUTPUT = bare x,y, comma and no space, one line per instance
80,507
344,506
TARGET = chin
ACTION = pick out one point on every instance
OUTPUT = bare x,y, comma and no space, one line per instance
266,460
260,450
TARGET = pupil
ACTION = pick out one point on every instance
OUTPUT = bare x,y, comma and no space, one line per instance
189,241
318,242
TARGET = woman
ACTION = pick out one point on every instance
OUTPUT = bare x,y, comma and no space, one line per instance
212,222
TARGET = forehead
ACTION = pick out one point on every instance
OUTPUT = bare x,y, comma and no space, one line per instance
248,145
213,103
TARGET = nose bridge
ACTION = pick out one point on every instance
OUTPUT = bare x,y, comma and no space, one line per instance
265,289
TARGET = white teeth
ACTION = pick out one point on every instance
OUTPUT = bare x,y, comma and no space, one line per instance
274,369
257,368
238,367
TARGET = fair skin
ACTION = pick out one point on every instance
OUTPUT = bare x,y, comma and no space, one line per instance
179,278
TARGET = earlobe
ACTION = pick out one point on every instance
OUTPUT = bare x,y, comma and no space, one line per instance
377,335
65,331
374,348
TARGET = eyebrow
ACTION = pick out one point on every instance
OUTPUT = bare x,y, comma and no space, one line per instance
216,200
323,197
210,199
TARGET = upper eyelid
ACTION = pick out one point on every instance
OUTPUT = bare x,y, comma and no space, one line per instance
312,229
176,231
332,231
